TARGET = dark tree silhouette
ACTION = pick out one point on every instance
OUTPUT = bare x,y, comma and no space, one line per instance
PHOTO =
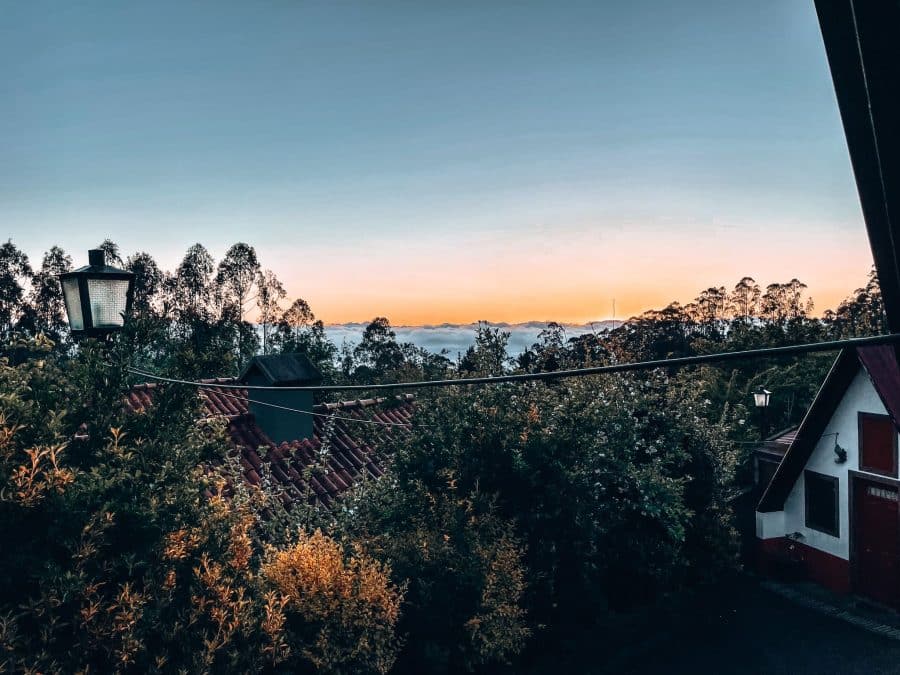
45,312
14,268
148,281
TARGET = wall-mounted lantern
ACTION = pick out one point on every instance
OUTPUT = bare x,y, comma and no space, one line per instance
840,453
97,297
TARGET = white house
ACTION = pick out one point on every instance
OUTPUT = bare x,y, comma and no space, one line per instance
830,511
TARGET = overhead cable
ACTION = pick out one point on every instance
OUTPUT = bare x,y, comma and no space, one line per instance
765,352
332,416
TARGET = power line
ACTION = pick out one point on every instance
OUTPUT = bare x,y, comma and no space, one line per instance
206,386
765,352
330,416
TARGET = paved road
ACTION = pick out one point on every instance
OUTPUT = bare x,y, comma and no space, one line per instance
751,631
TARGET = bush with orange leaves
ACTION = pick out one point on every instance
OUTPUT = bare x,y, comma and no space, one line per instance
116,563
342,609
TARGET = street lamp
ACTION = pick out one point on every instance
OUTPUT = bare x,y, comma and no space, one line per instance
97,296
761,401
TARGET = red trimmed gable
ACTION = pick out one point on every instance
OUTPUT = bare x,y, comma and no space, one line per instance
881,364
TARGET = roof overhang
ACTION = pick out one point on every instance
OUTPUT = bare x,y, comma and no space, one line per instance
862,40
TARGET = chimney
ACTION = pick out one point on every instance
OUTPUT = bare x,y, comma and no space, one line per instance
282,370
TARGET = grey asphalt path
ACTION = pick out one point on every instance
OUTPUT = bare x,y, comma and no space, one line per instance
752,631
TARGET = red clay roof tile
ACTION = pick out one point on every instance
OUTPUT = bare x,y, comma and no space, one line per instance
349,457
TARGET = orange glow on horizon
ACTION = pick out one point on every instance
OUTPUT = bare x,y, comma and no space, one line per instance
570,278
572,309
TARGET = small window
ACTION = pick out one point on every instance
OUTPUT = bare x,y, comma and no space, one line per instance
822,503
877,444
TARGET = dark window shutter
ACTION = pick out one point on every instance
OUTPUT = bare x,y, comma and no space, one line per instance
877,444
822,503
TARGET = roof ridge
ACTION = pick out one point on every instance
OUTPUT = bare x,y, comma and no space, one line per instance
140,386
361,403
231,417
143,385
783,432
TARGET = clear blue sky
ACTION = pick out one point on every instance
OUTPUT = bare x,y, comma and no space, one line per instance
437,160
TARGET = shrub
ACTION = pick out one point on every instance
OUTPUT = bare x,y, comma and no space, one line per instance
612,491
117,563
343,610
463,565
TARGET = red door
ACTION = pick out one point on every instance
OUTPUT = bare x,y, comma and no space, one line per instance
877,542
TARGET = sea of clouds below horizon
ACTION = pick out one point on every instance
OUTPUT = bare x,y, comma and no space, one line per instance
456,338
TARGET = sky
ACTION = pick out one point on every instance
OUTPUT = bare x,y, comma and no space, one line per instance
438,161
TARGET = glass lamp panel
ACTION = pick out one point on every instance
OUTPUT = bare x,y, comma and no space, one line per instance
108,299
73,304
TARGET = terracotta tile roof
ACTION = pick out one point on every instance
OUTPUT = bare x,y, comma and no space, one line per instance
779,442
352,454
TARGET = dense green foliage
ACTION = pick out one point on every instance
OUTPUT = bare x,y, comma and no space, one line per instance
747,317
507,513
612,490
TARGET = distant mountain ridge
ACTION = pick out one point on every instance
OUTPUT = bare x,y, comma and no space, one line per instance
456,338
540,325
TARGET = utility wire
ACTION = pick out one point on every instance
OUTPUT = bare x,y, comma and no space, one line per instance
766,352
315,414
207,386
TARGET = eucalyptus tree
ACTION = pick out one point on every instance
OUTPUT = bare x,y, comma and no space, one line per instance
236,277
191,290
46,310
148,282
744,299
14,268
550,352
488,356
862,313
655,334
786,302
201,343
111,250
298,330
270,292
378,356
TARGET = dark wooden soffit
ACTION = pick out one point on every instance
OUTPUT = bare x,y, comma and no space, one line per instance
862,40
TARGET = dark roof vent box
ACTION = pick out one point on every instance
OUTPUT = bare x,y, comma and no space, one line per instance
281,370
276,410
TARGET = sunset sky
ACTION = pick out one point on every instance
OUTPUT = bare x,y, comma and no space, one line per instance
438,161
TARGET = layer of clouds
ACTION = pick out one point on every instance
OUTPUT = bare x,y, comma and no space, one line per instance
457,338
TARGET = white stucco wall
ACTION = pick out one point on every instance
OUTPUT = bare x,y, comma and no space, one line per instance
770,525
860,397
